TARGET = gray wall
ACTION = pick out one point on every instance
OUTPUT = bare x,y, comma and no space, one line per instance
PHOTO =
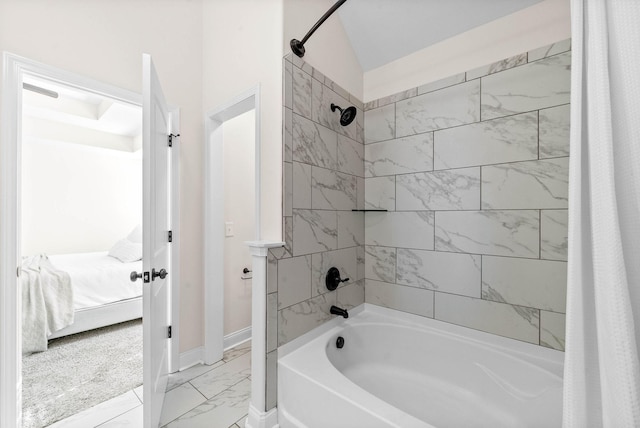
474,172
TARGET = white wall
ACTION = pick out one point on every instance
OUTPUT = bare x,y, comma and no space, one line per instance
544,23
328,49
76,198
105,40
239,197
242,47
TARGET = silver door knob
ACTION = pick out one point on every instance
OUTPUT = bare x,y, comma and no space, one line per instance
135,275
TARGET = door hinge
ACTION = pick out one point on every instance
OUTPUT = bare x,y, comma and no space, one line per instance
169,332
171,137
18,271
170,236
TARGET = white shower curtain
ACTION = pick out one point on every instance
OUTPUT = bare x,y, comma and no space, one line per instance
602,369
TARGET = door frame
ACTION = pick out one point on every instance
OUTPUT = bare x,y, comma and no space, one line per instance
214,213
14,68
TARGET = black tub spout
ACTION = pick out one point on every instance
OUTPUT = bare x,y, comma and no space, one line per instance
339,311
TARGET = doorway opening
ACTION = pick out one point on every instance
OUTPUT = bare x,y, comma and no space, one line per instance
99,99
81,236
240,119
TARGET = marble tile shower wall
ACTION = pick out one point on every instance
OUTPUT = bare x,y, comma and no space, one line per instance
323,180
473,171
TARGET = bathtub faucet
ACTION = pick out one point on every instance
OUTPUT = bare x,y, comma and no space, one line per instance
339,311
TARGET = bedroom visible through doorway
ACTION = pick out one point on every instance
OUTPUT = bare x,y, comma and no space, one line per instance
81,237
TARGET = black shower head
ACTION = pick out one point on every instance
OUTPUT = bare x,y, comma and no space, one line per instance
346,116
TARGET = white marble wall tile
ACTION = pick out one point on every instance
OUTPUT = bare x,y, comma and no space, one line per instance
298,319
552,330
554,131
314,231
452,189
554,240
287,82
508,139
272,272
337,88
350,229
502,233
400,156
380,124
360,260
360,193
350,156
301,93
549,50
400,229
287,115
301,185
302,64
452,106
272,321
322,98
522,185
370,105
360,126
442,83
331,190
351,295
281,252
495,67
397,97
380,193
380,263
287,226
533,86
316,74
314,144
448,272
294,280
399,297
502,319
287,192
537,284
356,102
344,260
271,398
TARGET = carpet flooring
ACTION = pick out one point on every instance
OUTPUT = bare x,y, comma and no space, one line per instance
80,371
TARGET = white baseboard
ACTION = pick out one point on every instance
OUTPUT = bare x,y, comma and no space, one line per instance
236,338
191,358
196,355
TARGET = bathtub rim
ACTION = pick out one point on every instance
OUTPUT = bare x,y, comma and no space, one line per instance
529,351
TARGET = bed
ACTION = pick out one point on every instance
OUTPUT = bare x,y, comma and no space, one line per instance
103,294
68,294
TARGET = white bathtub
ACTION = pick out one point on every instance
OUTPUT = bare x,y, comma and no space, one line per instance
401,370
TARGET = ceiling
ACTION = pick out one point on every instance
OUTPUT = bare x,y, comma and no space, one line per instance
381,31
80,117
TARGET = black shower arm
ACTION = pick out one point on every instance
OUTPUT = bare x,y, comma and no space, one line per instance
316,26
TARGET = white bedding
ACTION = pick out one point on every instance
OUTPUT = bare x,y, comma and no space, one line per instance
98,279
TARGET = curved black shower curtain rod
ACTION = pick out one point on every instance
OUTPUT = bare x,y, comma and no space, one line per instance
297,46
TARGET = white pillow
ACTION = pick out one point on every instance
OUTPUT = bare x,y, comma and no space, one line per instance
126,251
136,235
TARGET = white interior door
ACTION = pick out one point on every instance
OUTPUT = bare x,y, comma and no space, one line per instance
156,253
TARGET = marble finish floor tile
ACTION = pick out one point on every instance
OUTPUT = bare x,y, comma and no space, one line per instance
221,411
215,381
228,409
179,401
101,413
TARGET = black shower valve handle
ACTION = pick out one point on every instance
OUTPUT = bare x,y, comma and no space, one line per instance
333,279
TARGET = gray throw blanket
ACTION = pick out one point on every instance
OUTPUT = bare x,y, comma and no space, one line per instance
47,302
